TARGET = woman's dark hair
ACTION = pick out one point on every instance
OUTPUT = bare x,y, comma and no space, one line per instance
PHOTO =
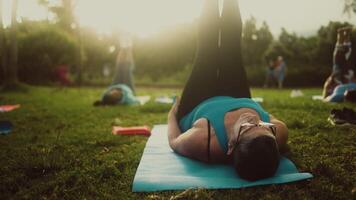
98,103
256,158
350,95
109,100
112,98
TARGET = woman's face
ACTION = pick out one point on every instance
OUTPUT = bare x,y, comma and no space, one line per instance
254,131
247,132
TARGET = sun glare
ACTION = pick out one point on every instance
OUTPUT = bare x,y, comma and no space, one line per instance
142,17
145,17
26,8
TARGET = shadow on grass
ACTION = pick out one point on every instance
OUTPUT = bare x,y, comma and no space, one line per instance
15,88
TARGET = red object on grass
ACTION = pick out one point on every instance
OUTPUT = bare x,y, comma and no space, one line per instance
8,108
62,75
136,130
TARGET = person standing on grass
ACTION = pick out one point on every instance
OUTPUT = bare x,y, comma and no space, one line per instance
280,71
270,74
216,121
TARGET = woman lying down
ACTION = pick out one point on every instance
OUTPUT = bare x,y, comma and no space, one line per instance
216,121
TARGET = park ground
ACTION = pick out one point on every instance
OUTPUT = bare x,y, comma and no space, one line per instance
62,147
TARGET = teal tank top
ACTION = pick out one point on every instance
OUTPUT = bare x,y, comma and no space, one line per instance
214,110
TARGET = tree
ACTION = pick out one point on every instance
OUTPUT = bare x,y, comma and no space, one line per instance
11,79
292,43
326,42
255,41
2,43
64,13
43,48
350,7
265,39
167,53
67,21
45,3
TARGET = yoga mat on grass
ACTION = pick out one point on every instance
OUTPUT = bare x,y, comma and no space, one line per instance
8,108
136,130
162,169
5,127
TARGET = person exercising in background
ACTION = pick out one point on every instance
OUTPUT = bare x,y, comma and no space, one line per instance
216,121
124,67
122,89
335,92
341,84
117,94
342,67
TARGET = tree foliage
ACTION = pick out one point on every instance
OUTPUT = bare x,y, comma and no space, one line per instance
11,76
98,51
350,7
2,45
169,53
42,49
64,13
255,41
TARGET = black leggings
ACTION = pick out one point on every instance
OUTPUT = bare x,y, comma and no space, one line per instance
218,69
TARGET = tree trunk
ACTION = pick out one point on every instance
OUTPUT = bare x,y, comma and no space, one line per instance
79,76
11,71
71,24
3,55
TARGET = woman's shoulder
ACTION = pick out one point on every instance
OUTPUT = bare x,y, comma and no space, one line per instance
228,98
200,124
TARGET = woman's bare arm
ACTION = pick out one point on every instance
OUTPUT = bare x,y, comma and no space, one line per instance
190,143
173,127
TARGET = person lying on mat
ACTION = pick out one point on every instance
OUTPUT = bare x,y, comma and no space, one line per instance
334,92
215,121
117,94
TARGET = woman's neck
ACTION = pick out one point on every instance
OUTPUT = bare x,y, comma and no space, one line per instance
232,117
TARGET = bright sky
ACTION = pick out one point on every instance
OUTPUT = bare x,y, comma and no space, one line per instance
144,17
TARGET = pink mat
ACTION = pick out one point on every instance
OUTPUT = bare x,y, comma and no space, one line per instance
138,130
8,108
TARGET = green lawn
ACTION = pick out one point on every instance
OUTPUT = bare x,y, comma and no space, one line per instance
62,148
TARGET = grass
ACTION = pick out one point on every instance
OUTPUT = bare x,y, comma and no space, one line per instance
61,148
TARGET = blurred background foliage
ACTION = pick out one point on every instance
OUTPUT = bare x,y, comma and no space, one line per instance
165,58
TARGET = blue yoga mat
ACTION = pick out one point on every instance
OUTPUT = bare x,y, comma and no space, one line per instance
162,169
5,127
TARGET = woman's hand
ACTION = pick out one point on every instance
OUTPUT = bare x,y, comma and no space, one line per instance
173,112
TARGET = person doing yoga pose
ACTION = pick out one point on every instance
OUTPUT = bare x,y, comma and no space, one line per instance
215,121
122,90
